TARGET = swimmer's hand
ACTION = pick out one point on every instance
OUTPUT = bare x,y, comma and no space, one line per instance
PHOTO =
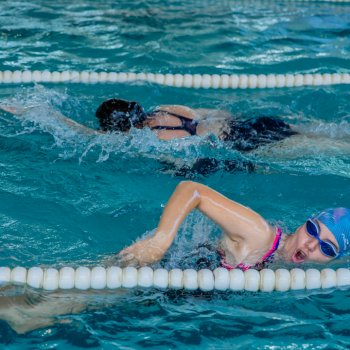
19,110
15,110
141,253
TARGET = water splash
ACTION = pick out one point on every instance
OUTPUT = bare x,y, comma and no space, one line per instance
321,148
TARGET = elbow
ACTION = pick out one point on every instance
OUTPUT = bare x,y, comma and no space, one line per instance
189,187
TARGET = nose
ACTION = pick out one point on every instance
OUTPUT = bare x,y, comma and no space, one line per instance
312,244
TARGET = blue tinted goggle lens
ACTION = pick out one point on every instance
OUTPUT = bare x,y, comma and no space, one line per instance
327,248
312,229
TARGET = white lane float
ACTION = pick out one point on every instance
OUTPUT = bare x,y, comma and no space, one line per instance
195,81
266,280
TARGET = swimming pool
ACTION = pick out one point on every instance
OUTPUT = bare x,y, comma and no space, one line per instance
72,199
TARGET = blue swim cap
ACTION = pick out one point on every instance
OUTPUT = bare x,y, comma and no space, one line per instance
337,221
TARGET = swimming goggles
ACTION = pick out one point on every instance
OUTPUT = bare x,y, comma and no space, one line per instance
327,248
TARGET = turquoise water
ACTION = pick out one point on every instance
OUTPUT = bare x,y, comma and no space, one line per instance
68,198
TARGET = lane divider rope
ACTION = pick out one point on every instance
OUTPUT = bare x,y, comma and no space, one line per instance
221,279
196,81
323,0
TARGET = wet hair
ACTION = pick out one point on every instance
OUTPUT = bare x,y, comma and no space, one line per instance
120,115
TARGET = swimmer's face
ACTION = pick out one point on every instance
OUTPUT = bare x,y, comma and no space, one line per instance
301,247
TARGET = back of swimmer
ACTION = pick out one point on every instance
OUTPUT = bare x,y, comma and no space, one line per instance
174,121
168,122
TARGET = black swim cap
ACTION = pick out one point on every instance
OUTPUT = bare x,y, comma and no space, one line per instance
119,115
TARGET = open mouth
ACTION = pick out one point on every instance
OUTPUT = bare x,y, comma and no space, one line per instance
299,256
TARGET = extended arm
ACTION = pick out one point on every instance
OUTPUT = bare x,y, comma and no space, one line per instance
238,222
76,126
18,111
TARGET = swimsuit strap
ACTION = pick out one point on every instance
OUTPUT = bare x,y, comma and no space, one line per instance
181,117
187,124
263,260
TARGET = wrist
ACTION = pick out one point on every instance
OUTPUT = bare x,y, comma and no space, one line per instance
161,241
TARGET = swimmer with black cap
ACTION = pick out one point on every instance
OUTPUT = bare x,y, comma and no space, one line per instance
175,121
120,115
248,240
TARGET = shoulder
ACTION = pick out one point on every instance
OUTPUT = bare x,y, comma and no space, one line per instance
207,113
180,110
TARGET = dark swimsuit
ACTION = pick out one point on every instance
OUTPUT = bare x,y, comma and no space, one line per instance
248,135
187,124
244,136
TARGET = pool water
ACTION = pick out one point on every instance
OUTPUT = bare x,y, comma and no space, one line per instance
72,199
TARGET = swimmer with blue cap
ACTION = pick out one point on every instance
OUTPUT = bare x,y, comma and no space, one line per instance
328,234
248,240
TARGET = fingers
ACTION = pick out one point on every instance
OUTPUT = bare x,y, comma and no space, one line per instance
9,109
139,254
15,110
128,257
124,259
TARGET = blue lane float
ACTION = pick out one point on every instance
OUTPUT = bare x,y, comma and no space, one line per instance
84,278
195,81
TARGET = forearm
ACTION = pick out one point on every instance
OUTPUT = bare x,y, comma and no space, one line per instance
15,110
237,222
76,126
185,198
19,111
152,249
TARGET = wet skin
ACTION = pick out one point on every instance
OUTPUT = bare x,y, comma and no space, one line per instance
301,247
